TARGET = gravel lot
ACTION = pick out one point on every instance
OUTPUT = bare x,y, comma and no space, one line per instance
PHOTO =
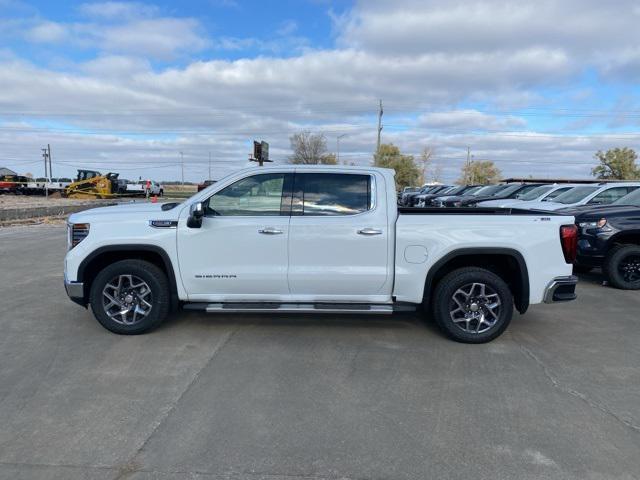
27,201
309,397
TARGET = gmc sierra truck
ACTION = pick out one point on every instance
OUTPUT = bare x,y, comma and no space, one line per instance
317,239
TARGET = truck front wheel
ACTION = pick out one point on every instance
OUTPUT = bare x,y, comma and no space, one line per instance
472,305
130,297
622,267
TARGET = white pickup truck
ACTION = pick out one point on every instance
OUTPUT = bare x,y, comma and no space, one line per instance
316,239
144,187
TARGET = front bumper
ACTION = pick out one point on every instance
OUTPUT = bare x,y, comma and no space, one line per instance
561,289
75,291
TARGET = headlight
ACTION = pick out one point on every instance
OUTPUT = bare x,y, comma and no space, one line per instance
594,224
76,232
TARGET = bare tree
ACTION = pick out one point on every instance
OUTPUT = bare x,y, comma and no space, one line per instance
428,168
310,149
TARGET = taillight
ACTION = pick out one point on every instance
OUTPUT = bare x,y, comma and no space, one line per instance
569,242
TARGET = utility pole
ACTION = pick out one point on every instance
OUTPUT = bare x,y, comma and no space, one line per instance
182,166
209,165
49,154
45,155
380,112
338,146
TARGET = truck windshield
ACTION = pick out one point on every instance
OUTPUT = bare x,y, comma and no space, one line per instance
535,193
472,190
575,195
631,199
455,190
489,190
508,190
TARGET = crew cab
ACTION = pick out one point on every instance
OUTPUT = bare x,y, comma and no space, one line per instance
609,237
323,239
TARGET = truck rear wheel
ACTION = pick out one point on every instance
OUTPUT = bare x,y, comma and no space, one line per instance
130,297
472,305
622,267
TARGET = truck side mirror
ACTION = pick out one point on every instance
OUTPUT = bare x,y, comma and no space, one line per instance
196,212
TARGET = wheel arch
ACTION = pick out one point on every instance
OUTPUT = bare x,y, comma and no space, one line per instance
103,256
507,263
629,237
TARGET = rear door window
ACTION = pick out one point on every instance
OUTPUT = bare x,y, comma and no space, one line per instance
610,195
331,194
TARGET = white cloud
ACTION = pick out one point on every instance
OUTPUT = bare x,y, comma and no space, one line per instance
117,10
469,120
157,37
428,60
287,27
47,32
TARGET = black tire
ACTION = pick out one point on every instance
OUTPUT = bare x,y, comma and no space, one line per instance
443,303
582,269
622,267
157,283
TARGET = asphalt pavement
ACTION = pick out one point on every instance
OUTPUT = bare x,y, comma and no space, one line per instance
295,397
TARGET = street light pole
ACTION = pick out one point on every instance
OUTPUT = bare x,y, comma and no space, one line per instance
338,146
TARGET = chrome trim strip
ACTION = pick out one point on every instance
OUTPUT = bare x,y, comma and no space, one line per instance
555,283
163,223
298,308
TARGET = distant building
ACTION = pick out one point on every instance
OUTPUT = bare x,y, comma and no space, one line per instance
6,171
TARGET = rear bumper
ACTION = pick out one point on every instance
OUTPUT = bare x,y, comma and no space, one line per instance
561,289
590,260
75,291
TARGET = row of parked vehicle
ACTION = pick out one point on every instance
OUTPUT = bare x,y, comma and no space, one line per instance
86,179
20,185
607,216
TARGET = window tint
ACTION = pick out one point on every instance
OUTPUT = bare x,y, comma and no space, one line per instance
575,195
519,190
489,190
534,193
556,193
258,195
332,194
630,199
610,195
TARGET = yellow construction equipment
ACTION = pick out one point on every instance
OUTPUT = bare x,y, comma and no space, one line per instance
92,184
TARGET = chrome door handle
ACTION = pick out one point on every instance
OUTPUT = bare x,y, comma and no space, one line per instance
270,231
370,231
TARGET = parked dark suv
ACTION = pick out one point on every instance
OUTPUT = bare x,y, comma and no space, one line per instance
609,237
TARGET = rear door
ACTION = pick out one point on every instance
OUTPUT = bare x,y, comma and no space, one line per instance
338,238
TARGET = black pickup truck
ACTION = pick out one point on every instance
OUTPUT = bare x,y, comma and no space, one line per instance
609,237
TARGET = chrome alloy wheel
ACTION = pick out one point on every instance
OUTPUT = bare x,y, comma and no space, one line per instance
127,299
475,307
629,268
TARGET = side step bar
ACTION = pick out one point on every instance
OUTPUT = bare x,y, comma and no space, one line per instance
298,308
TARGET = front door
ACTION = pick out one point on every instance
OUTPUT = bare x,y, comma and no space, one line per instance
240,252
338,238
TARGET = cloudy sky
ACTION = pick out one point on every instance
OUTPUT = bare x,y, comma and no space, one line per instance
537,87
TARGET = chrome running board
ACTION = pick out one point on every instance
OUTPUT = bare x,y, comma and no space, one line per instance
294,308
